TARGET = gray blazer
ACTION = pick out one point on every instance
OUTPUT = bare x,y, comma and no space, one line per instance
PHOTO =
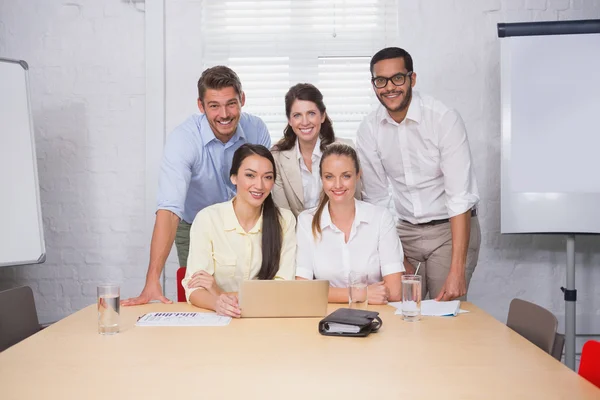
288,191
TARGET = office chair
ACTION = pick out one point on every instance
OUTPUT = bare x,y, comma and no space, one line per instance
559,345
18,317
180,290
534,323
589,366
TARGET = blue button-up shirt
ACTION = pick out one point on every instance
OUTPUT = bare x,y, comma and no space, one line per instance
195,167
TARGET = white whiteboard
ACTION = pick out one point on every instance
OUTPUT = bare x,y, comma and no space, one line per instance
21,230
551,134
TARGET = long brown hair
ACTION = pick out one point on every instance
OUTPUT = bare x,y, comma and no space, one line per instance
307,92
337,149
272,234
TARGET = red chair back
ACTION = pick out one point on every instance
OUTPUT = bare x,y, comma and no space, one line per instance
180,289
589,367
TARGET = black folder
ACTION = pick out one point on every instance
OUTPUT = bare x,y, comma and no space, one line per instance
350,322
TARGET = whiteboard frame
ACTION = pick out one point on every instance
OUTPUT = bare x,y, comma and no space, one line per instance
42,256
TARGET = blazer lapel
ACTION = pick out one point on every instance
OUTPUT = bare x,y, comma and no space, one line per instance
292,172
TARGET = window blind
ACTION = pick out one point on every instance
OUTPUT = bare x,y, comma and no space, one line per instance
275,44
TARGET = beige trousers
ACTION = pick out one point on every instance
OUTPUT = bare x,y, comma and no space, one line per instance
432,246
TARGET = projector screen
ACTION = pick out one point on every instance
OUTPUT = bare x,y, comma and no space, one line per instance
550,133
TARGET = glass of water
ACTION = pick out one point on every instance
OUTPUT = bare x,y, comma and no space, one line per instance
411,297
109,302
357,290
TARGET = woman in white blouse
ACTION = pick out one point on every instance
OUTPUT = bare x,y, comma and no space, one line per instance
344,235
248,237
298,154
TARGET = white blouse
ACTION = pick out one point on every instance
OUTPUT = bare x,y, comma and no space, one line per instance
373,246
311,181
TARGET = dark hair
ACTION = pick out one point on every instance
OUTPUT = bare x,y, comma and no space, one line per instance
307,92
217,78
338,149
392,52
272,235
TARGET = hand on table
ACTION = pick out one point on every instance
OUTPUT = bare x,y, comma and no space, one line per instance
378,293
454,287
152,291
227,304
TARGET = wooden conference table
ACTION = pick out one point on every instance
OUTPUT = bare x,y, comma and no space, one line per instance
471,356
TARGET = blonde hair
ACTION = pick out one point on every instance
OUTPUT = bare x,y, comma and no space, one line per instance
334,149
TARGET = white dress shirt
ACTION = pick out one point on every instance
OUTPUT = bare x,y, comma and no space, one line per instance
373,246
311,181
426,158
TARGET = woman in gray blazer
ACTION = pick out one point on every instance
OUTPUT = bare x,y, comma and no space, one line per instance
298,154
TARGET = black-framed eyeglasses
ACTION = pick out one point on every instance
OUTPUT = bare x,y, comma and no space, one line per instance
381,81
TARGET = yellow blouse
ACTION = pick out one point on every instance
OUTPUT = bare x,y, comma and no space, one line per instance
221,247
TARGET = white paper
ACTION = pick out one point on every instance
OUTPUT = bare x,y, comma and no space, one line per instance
334,327
183,319
434,308
410,306
396,304
440,308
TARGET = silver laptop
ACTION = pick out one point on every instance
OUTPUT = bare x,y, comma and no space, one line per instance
276,298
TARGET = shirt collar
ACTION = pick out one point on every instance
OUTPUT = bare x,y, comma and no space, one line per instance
413,113
231,223
316,154
414,108
326,218
362,215
207,134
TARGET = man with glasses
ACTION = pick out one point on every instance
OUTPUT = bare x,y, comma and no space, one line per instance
419,147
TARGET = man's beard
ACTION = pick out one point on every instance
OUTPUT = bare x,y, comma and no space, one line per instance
403,106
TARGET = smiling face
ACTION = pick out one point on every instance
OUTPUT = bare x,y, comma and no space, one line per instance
339,177
305,120
394,98
254,180
222,108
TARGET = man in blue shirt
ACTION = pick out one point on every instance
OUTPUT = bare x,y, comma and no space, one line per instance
195,169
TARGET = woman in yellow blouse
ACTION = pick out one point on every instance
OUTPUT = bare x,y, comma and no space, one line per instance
248,237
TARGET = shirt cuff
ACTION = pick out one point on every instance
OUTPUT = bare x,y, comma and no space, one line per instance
174,210
392,268
460,206
305,273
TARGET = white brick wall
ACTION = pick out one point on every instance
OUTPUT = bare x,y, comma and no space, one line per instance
86,61
87,79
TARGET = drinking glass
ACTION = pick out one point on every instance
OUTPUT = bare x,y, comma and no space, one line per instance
357,290
109,303
411,297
